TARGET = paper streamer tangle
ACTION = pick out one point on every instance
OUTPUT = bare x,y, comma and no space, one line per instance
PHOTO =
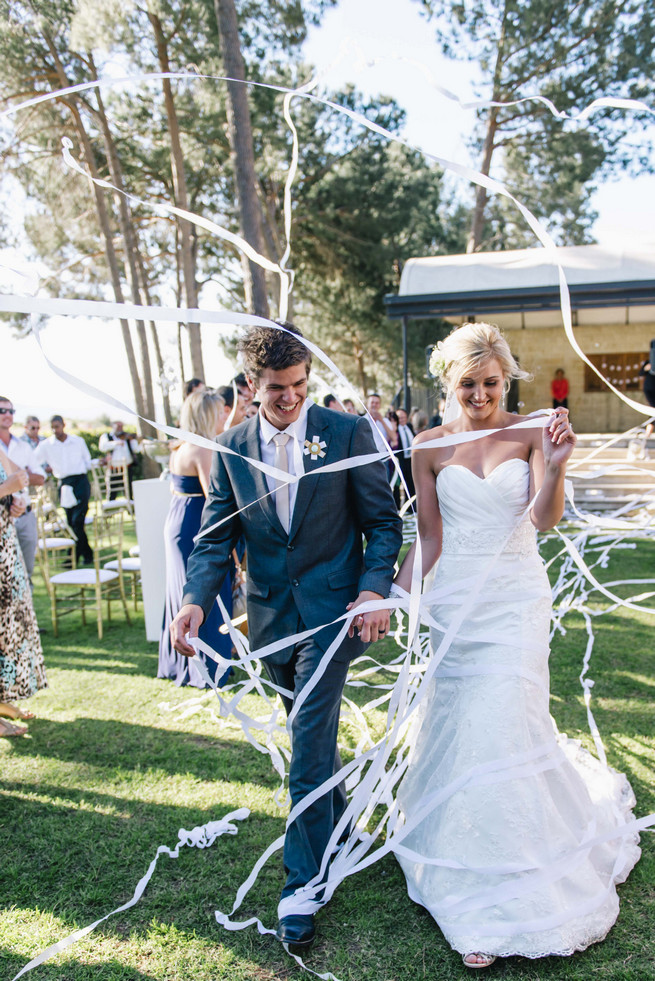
378,764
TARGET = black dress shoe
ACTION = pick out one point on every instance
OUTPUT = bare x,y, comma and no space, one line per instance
297,930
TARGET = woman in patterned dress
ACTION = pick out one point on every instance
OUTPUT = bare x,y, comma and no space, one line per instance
22,671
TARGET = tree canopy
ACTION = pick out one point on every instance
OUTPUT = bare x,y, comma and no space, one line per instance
571,53
361,206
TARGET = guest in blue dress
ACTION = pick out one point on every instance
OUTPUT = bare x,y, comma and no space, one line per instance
203,412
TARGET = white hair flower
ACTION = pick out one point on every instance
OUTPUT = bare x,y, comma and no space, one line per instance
437,363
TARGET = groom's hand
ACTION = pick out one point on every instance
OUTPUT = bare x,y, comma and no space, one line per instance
188,621
370,626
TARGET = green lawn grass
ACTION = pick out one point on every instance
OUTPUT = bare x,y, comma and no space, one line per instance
106,775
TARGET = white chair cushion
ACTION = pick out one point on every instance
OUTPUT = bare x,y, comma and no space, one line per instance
56,543
115,505
82,577
134,551
129,565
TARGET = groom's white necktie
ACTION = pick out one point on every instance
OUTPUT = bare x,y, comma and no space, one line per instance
282,489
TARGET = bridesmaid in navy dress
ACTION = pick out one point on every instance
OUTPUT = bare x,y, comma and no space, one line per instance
203,413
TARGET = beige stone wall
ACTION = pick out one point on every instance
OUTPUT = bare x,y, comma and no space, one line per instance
541,350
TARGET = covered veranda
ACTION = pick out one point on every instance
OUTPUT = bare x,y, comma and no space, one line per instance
613,303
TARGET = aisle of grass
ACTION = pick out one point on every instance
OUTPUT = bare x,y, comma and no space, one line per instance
107,775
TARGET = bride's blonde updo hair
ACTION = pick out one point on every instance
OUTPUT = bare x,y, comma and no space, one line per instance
467,349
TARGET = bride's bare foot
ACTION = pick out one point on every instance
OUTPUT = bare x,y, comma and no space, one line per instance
15,712
478,960
9,729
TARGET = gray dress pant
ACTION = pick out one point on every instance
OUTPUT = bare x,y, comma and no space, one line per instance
27,537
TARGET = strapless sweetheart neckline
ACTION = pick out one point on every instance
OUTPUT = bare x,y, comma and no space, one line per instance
460,466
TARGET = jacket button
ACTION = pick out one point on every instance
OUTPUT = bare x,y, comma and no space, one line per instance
295,582
290,548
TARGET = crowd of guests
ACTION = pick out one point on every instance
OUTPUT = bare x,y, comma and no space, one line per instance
397,428
27,460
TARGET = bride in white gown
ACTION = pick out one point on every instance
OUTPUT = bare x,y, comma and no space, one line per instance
517,845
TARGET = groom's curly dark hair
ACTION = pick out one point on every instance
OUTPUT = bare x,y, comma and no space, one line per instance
266,347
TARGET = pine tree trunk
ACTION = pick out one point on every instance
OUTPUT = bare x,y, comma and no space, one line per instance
180,355
358,352
131,252
181,199
143,284
241,146
105,228
481,196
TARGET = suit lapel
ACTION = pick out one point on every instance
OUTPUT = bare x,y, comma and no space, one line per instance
306,487
250,446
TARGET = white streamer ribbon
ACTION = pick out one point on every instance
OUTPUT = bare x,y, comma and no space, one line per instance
201,837
376,768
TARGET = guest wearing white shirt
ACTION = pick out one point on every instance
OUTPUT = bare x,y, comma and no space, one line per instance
31,434
121,448
22,454
382,425
69,459
406,434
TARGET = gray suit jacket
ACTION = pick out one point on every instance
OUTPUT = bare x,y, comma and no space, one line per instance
310,574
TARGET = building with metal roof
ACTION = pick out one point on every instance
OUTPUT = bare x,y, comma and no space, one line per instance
613,311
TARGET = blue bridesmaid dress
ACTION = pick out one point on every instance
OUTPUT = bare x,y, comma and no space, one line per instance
181,527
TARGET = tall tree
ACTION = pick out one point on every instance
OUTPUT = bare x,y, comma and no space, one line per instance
363,207
31,46
243,154
360,205
186,238
570,52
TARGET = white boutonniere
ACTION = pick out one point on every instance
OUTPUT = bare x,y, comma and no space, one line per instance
315,447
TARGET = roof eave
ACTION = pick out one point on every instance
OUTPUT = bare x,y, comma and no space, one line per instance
520,300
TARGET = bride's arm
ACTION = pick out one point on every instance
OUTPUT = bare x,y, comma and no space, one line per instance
429,515
548,470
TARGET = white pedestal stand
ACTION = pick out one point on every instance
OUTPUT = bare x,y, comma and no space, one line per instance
151,501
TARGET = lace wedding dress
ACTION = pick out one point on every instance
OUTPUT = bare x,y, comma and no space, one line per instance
514,832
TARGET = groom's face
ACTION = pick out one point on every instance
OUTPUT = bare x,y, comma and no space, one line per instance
282,394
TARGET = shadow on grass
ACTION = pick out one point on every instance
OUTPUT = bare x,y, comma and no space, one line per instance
362,933
80,854
124,747
74,857
111,970
137,656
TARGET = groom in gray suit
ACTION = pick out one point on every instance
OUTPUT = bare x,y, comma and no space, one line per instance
306,564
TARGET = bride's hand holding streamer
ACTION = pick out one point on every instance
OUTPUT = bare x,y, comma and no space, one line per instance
558,439
549,469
